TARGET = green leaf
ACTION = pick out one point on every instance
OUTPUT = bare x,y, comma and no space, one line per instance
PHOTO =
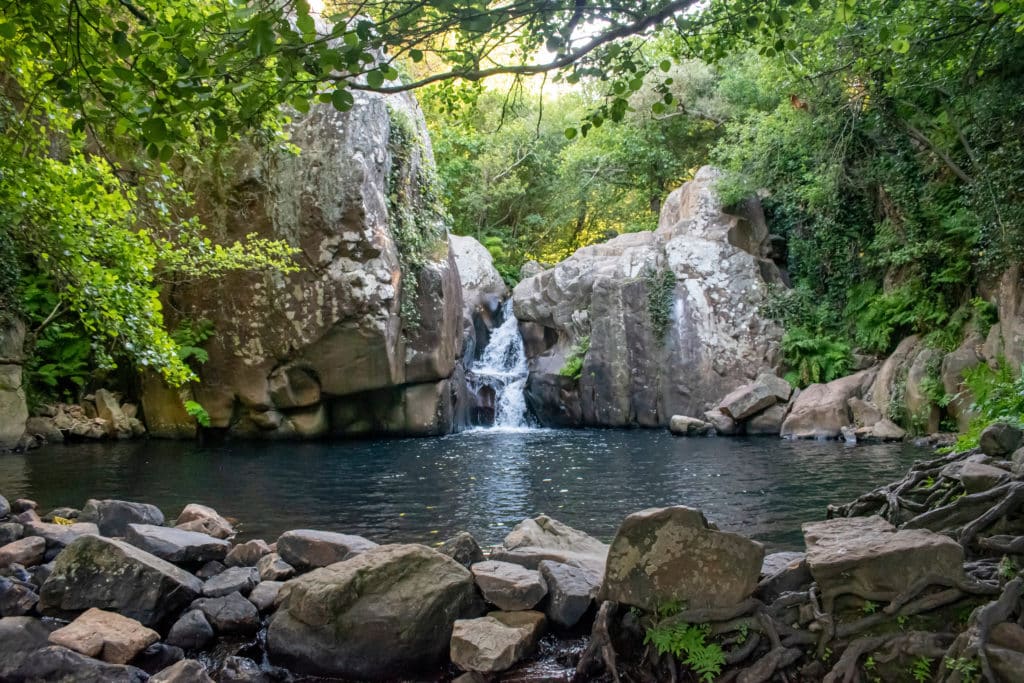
155,130
665,65
416,55
375,78
342,99
1001,7
8,30
570,133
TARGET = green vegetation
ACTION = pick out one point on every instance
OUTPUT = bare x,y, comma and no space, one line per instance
688,643
814,358
573,368
921,669
660,295
998,397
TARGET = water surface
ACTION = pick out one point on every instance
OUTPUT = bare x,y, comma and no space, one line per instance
483,481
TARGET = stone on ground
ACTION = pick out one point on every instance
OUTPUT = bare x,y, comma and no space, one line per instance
16,598
195,517
681,425
571,591
768,422
247,554
113,516
105,635
191,631
265,595
234,579
495,642
176,545
670,554
55,663
185,671
462,548
821,410
509,586
544,538
307,548
114,575
58,536
272,568
26,552
723,424
229,614
751,399
1000,439
867,556
384,613
20,636
978,477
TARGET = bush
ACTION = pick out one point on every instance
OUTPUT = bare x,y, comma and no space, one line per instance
998,397
814,358
573,367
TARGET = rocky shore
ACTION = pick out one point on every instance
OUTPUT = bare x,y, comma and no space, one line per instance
917,580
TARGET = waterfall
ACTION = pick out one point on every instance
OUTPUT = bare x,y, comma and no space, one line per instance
501,370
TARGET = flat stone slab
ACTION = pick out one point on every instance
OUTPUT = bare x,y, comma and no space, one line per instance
176,545
235,579
60,535
495,642
868,557
105,635
671,554
113,516
509,586
308,548
27,552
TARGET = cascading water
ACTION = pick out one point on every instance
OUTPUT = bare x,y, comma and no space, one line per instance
501,370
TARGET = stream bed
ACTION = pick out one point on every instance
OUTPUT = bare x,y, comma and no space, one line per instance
484,481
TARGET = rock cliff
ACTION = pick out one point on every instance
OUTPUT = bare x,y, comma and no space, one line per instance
671,316
13,409
366,336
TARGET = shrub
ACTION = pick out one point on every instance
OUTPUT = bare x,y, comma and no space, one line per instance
814,358
573,367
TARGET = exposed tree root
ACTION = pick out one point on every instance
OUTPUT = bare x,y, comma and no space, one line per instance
912,644
600,653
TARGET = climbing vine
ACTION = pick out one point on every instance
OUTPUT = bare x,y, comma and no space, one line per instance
661,287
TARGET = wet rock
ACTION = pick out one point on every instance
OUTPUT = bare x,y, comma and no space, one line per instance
773,563
462,548
509,586
247,554
544,538
229,614
210,569
265,595
20,636
495,642
113,516
681,425
16,598
10,532
671,554
233,579
23,505
396,599
5,507
44,428
185,671
782,573
64,513
105,635
307,548
158,657
822,410
272,568
883,430
867,556
191,631
768,422
55,663
1000,439
58,536
41,572
723,424
571,592
751,399
27,552
205,520
109,409
244,670
102,572
864,414
176,545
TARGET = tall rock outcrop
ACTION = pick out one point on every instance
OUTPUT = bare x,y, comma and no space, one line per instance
13,409
671,316
365,337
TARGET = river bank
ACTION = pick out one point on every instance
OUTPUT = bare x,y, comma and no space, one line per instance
916,574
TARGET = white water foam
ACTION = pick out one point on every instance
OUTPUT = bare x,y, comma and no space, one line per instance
502,367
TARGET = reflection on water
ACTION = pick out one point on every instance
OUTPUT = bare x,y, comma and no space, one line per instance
484,481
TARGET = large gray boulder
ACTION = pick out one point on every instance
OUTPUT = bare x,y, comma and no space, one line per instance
495,642
112,575
663,555
702,271
55,663
822,410
176,545
509,586
571,592
308,548
20,637
385,613
360,337
542,538
113,516
868,557
481,282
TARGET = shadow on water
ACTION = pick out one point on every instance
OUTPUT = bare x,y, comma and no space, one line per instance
484,481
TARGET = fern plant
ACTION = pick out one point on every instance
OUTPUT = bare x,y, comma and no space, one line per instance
921,669
573,367
814,358
688,643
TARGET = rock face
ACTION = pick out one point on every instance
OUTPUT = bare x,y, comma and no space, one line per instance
365,337
671,554
113,575
867,556
13,408
702,271
1006,338
385,613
